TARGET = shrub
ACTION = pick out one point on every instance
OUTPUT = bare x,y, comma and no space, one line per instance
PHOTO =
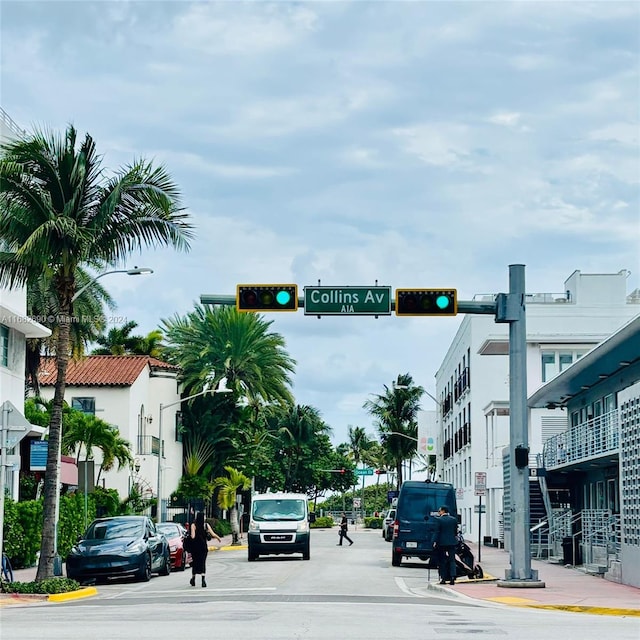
51,585
373,523
323,522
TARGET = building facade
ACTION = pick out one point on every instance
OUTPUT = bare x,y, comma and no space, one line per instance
595,460
472,387
127,391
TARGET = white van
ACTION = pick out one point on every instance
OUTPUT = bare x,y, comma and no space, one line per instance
279,523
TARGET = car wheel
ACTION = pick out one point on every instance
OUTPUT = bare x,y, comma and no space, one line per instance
252,555
166,567
183,562
145,573
306,554
396,559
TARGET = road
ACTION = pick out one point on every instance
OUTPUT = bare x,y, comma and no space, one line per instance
350,593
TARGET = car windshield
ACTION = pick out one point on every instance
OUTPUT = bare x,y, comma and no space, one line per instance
112,529
168,529
265,510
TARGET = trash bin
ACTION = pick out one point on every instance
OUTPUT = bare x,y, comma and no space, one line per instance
571,551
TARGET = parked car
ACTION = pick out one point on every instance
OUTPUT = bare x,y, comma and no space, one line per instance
119,546
174,533
387,525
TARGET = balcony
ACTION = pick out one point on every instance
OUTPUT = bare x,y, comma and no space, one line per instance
148,446
595,438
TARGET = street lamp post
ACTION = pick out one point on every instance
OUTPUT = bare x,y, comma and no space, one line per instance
57,560
221,389
136,271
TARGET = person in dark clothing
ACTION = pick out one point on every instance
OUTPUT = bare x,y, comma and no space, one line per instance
200,532
343,530
445,543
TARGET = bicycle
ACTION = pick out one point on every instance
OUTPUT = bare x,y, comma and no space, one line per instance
7,570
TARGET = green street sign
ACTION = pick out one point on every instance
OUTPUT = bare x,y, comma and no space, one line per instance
343,301
364,472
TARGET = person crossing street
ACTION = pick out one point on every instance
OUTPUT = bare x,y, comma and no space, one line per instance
344,527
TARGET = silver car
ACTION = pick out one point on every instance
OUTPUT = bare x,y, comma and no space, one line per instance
387,525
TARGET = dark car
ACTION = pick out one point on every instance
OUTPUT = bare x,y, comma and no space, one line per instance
119,546
174,533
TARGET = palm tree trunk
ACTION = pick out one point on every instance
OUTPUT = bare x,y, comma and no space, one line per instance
235,526
48,549
399,472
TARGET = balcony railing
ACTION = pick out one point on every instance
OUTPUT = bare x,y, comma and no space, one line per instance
148,446
596,437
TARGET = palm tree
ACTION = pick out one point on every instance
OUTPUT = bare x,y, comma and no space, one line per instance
214,343
396,413
228,490
118,341
359,443
297,426
88,316
59,212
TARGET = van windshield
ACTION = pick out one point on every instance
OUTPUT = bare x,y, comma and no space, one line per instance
265,510
423,502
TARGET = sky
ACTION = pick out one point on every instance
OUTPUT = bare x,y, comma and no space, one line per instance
404,144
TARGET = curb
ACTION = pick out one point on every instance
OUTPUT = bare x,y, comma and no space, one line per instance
24,598
86,592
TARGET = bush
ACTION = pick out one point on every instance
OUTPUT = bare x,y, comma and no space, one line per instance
323,522
51,585
373,523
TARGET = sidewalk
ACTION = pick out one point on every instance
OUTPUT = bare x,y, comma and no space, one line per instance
566,588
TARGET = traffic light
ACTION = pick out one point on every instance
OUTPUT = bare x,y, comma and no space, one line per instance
426,302
267,297
343,471
380,471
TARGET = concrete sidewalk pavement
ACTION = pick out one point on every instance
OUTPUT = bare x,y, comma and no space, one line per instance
565,587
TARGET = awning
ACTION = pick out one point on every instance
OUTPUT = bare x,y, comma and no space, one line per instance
68,470
24,324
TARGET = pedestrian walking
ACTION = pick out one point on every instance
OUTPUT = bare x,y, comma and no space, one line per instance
445,544
344,527
201,532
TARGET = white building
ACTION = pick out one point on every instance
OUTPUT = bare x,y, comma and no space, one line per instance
126,391
15,328
472,386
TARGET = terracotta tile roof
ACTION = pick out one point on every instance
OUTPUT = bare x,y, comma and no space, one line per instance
101,371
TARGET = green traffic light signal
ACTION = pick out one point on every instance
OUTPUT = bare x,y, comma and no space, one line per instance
266,297
426,302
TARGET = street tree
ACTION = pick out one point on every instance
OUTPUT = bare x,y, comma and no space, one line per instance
59,211
396,417
228,487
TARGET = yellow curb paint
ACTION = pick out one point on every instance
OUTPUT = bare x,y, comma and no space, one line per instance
599,611
511,600
73,595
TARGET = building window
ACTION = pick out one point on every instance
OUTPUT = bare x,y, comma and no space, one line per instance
548,365
86,405
4,346
565,360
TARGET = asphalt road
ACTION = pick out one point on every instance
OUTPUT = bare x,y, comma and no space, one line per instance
342,592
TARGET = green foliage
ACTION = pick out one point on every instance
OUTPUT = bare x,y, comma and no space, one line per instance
192,487
50,585
28,486
323,522
373,523
221,527
106,501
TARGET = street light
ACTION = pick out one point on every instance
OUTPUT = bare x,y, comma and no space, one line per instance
221,389
57,560
136,271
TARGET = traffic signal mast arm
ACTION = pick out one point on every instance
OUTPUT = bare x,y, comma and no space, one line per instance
470,306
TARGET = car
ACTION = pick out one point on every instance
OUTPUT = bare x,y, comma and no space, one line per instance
387,525
119,546
174,533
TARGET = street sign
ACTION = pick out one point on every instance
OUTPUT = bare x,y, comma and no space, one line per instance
352,301
481,483
17,426
479,508
364,472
